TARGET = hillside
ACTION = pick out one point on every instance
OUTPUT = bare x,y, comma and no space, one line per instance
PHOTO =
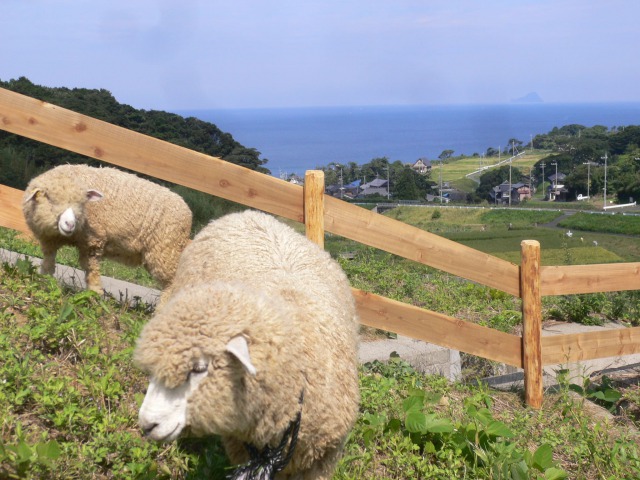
70,396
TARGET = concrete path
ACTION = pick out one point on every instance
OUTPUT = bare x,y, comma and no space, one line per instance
75,278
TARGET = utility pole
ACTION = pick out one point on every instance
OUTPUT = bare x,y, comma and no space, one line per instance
513,152
588,164
388,184
605,179
544,193
555,181
441,160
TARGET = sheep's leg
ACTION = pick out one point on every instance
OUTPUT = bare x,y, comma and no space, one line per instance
161,263
90,263
48,265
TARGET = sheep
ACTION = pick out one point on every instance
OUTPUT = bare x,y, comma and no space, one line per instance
258,338
105,212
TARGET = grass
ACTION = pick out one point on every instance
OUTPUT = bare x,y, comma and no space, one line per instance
70,395
619,224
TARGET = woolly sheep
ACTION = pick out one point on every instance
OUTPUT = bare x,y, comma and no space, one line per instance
257,315
105,212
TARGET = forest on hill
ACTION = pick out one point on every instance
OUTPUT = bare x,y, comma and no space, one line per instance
22,158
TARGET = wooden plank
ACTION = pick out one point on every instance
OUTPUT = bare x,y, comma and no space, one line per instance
393,316
314,206
532,322
572,279
106,142
11,209
575,347
387,234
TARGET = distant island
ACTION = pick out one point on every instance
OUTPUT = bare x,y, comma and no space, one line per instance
531,97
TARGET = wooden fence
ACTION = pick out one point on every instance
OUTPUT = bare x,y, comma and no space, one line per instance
530,281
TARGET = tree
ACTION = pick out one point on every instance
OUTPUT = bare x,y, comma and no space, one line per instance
406,187
625,177
492,152
446,154
512,146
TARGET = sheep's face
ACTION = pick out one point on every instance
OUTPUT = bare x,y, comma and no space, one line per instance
197,352
163,414
54,212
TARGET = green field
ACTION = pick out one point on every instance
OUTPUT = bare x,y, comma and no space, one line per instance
501,231
454,170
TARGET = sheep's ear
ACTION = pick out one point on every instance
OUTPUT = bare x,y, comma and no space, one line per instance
34,195
94,195
238,347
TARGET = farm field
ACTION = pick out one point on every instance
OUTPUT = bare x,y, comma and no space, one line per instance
500,232
453,170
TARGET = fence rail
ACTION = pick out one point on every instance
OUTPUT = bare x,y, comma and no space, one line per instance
66,129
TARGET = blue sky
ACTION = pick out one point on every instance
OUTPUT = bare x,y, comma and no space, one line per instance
170,55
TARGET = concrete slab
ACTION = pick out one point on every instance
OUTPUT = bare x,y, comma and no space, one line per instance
576,371
75,278
424,357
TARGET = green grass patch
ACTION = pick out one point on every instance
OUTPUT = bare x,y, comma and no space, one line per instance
621,224
577,256
518,219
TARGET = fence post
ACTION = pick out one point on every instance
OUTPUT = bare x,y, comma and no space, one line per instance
532,322
314,206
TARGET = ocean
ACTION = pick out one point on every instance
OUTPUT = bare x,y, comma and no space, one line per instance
298,139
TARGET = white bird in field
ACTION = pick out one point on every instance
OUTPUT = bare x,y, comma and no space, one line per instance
582,239
569,234
595,243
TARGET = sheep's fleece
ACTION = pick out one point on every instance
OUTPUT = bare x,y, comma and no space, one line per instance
256,315
107,212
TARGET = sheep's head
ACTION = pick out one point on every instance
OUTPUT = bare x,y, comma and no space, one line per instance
57,210
203,352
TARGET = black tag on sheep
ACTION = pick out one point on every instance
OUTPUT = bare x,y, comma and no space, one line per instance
266,463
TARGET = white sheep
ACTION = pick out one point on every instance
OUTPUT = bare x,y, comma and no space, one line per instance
105,212
258,326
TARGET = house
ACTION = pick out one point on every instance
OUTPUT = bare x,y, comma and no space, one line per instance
510,193
350,191
556,192
292,178
422,166
447,194
438,198
377,186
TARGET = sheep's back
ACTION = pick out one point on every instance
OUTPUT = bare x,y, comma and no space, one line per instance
256,248
132,204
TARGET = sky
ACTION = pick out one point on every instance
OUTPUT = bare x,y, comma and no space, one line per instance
209,54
